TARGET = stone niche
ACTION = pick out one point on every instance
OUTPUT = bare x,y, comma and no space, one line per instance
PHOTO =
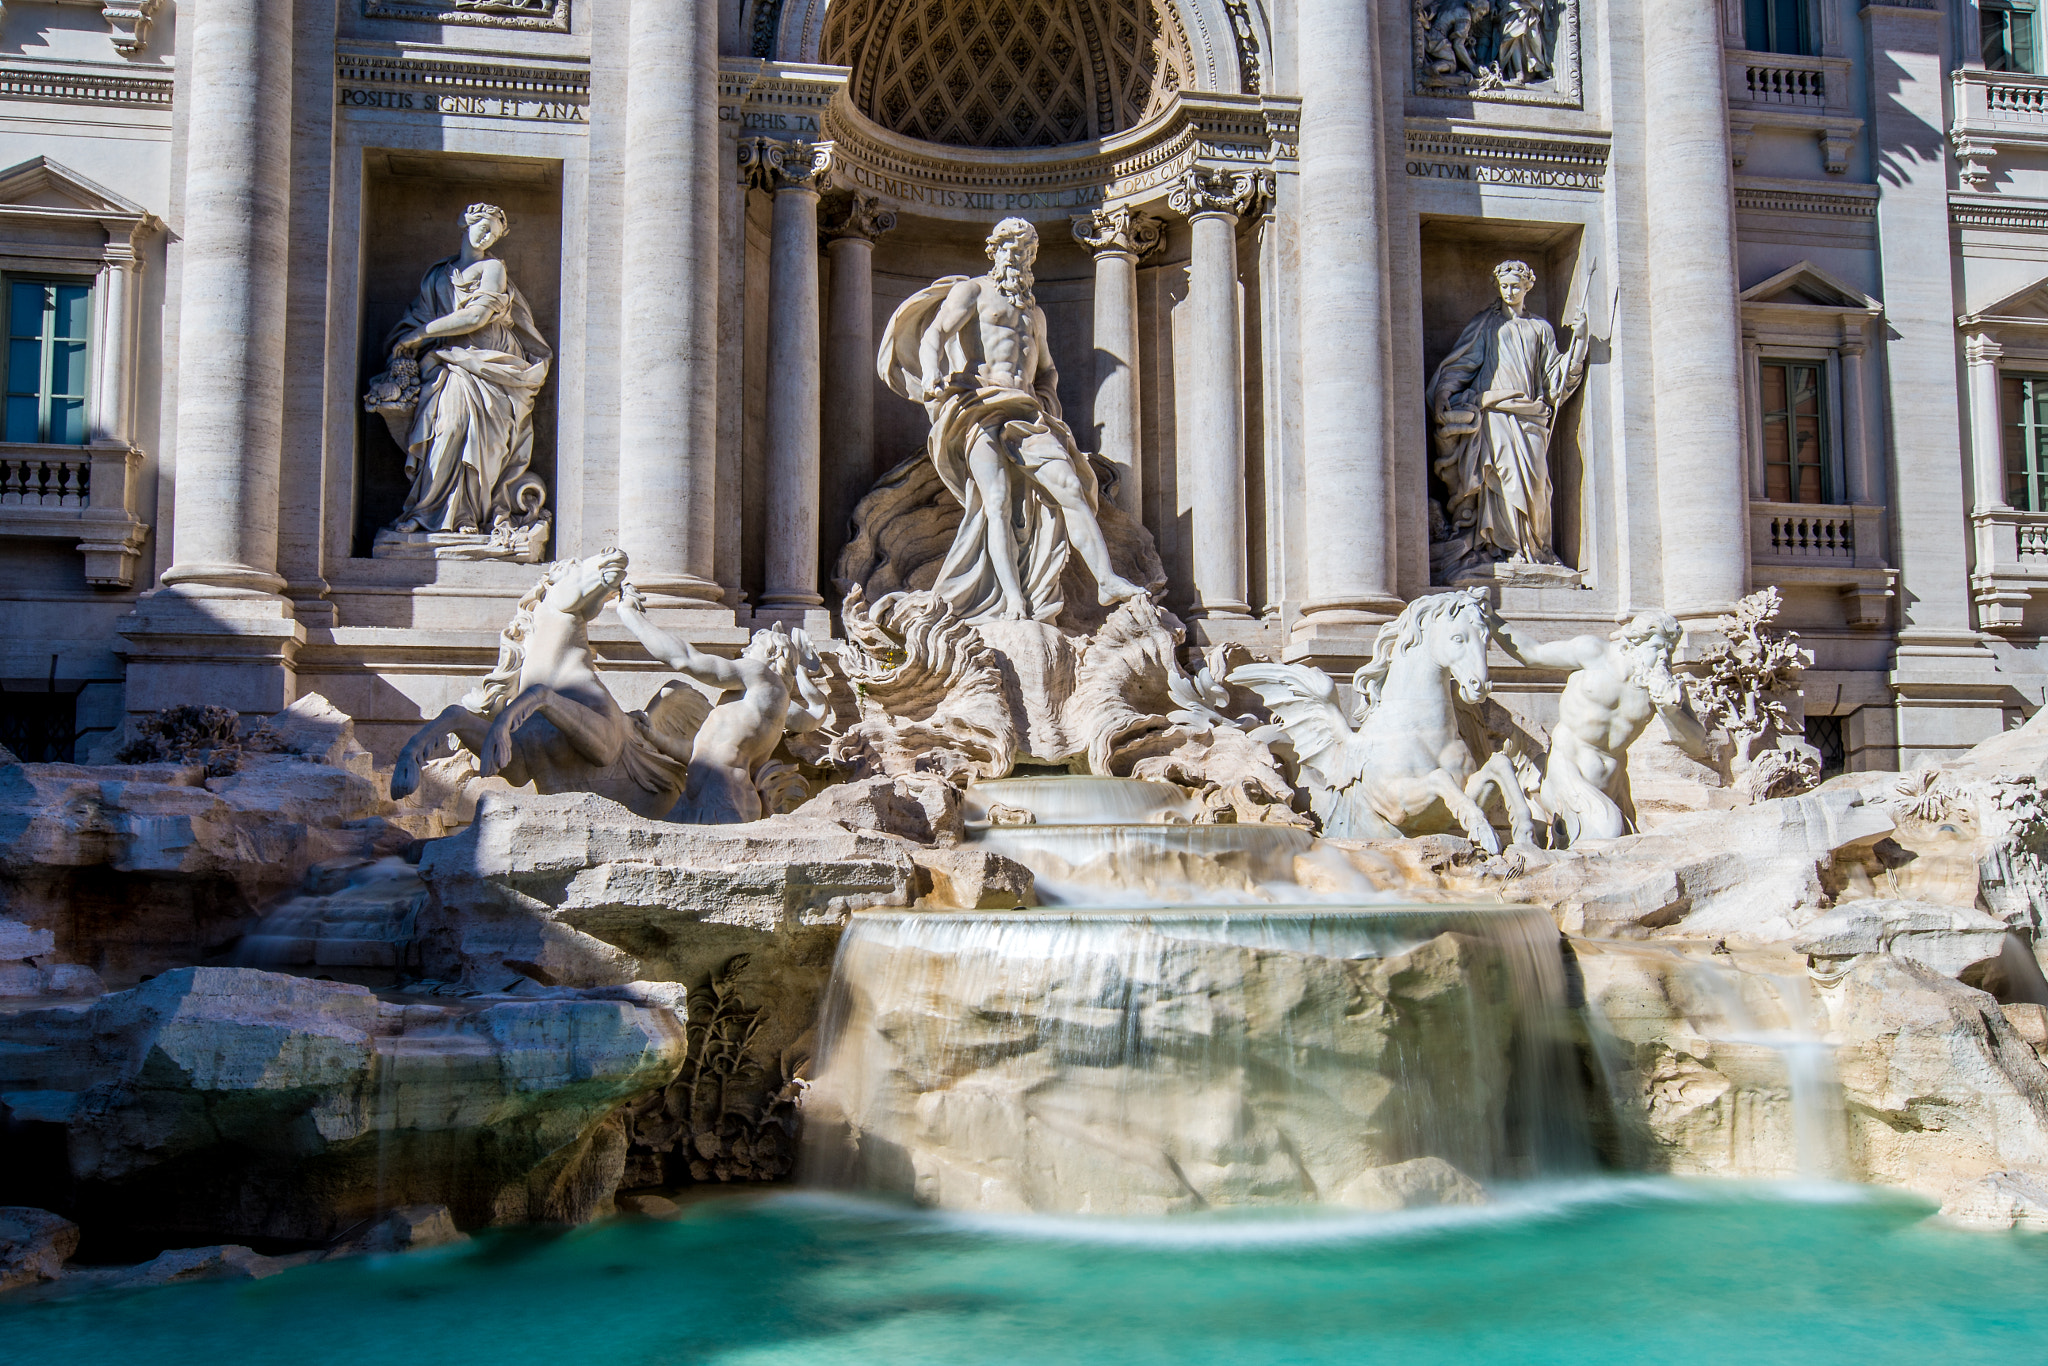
412,217
1458,257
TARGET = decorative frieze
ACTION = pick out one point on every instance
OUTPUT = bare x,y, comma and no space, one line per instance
1806,197
1512,51
2001,214
1490,159
85,87
548,16
477,89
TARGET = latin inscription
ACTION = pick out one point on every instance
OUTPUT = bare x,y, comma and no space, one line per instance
1533,177
477,106
971,201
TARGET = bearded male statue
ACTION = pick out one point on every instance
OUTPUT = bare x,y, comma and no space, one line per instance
973,353
1616,685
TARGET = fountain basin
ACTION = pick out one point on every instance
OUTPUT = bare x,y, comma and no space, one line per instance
1120,1062
1152,862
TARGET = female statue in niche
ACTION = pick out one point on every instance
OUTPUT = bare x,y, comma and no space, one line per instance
466,365
1494,400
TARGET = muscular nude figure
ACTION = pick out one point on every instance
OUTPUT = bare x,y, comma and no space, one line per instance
973,352
741,733
1616,685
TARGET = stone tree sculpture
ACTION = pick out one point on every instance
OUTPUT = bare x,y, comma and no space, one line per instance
1493,402
466,363
973,352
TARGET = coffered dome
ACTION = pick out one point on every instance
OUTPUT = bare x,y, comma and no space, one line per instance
1008,73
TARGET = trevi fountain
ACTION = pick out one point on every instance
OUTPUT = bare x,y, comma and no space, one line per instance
797,796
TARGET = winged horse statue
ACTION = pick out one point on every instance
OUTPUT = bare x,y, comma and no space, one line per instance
1419,762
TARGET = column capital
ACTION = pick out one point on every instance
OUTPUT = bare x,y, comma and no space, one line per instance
849,213
1200,193
1981,348
1121,230
772,165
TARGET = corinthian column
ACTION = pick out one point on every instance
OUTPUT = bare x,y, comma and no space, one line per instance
231,302
1120,238
851,224
1213,410
1695,330
668,402
1347,465
794,172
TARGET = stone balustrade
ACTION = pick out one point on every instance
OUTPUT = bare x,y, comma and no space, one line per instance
1994,112
78,493
1801,94
1825,545
2012,565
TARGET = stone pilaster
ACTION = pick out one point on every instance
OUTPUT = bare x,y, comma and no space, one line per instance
1695,327
1120,238
218,631
1347,461
849,225
1212,437
1943,678
795,173
668,342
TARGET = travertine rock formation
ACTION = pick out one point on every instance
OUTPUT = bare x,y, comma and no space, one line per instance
232,1102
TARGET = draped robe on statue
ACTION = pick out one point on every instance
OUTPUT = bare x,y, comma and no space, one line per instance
1023,427
470,440
1498,472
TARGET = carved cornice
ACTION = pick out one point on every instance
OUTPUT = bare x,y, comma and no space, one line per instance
130,21
1807,197
2002,215
85,87
848,213
1221,132
547,16
1201,192
1119,230
773,165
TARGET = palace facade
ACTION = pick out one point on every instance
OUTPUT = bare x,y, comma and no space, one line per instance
1806,242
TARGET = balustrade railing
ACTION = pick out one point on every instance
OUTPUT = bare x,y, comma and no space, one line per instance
46,481
1824,534
1798,86
2019,103
2033,538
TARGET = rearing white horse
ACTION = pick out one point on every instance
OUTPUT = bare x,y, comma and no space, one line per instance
1418,763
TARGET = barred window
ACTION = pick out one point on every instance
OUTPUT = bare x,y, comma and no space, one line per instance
47,325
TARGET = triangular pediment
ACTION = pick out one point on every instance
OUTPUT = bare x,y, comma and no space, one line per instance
40,183
1806,285
2027,304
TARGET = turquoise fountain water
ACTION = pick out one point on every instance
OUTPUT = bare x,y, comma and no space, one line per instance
1608,1272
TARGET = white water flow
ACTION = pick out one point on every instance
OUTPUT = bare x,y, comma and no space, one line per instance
1134,1062
1747,1011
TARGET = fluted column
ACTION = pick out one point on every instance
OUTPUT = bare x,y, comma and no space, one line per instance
668,410
1120,238
1213,410
850,225
1695,328
794,172
1347,461
732,354
232,282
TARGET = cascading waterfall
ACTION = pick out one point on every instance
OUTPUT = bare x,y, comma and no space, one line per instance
1125,1062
